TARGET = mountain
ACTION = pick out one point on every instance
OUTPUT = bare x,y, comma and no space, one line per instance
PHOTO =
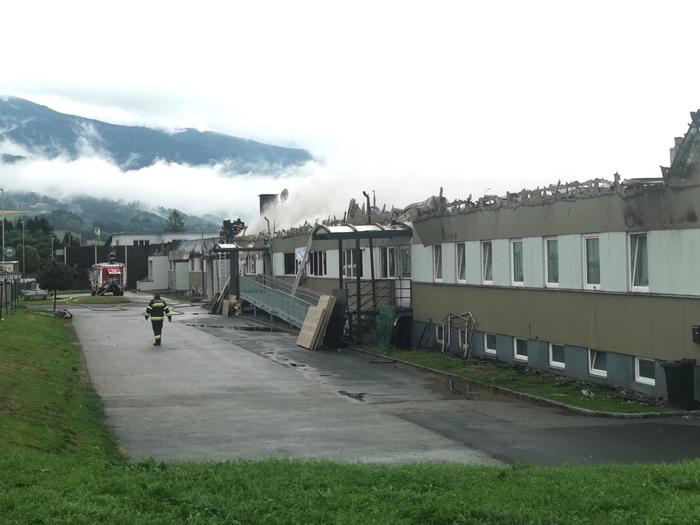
83,214
44,132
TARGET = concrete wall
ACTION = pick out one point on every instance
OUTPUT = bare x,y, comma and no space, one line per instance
157,278
180,279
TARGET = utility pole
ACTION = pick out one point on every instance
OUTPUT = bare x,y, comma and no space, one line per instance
371,252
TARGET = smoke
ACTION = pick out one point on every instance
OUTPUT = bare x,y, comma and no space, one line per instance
317,190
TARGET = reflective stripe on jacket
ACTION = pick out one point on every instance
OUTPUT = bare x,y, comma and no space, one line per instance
156,309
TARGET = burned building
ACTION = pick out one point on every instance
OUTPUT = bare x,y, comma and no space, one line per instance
593,280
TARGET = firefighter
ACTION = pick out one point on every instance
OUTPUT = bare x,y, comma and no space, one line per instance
157,310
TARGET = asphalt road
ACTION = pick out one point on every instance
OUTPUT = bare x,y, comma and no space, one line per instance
218,390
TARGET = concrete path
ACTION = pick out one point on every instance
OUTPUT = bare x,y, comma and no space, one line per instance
202,397
217,390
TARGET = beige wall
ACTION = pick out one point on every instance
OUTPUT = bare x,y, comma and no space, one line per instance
658,327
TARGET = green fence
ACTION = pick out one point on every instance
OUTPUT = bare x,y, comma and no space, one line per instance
274,301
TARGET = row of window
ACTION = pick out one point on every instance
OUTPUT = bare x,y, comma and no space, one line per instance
394,263
644,369
597,360
638,257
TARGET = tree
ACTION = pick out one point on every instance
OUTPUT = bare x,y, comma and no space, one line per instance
32,263
56,276
175,222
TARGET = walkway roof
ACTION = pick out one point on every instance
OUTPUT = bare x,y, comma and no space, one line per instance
235,247
362,231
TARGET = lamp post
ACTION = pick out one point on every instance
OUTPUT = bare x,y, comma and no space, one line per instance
24,256
3,223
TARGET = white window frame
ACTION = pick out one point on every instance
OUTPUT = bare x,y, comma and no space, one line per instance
385,255
596,371
317,265
638,378
633,261
404,272
487,349
516,355
513,282
439,333
483,262
349,265
586,284
437,248
462,338
556,364
459,263
546,263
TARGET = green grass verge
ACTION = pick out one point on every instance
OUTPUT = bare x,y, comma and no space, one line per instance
58,464
528,381
46,401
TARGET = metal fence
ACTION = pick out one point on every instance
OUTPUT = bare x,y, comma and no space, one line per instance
275,301
10,290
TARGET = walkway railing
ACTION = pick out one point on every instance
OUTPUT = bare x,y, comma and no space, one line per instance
270,295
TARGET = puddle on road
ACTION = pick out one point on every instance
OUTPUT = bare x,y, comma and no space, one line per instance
360,396
244,328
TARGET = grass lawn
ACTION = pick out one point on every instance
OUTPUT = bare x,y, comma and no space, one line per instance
530,382
58,464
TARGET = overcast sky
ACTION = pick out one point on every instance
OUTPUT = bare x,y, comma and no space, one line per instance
401,97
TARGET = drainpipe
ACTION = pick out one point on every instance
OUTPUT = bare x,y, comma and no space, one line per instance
371,253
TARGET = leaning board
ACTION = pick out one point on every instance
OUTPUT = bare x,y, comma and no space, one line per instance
326,302
311,328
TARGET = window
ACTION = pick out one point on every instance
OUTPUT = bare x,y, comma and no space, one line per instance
591,249
516,273
439,335
644,371
598,363
556,356
437,262
349,266
551,262
520,349
405,252
388,263
317,263
490,344
289,266
461,262
352,260
249,266
639,271
486,263
462,338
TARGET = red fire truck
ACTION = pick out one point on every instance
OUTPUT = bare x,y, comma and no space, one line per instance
109,277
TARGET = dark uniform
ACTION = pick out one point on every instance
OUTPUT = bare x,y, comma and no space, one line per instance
157,310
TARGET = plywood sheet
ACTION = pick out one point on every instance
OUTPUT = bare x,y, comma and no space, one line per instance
327,302
311,328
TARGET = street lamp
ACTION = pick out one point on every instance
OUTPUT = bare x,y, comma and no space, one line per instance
3,223
24,254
